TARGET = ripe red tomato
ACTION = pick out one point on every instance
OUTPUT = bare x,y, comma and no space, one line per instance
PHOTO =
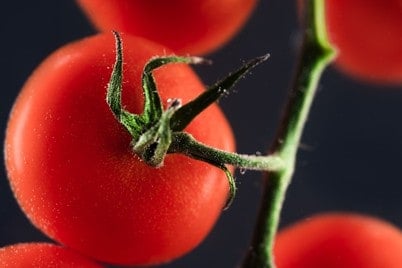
368,35
73,172
339,240
194,27
42,255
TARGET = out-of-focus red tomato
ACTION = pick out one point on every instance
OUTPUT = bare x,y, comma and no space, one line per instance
187,27
368,35
339,240
42,255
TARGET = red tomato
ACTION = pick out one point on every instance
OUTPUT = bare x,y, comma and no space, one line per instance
73,172
368,35
194,27
339,240
42,255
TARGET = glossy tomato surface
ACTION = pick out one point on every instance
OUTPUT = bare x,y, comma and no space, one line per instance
73,172
368,36
194,27
339,240
42,255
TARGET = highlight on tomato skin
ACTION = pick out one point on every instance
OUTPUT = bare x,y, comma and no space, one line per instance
187,27
339,240
42,255
72,170
368,36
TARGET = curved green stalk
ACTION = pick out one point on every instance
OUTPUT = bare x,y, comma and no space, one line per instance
184,143
316,53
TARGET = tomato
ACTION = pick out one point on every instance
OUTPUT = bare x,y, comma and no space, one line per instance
42,255
194,27
339,240
72,169
368,35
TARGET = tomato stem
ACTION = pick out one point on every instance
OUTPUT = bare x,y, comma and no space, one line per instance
154,143
156,132
315,55
185,144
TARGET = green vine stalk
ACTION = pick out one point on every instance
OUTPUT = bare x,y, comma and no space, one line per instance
315,55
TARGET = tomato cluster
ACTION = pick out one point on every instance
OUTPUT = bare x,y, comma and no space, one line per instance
74,174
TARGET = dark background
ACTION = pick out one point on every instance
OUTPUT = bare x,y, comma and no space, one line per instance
352,149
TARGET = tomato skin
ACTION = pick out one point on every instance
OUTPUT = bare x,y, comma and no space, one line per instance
368,36
193,27
339,240
72,170
42,255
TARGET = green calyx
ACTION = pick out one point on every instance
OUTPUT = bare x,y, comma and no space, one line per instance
157,132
